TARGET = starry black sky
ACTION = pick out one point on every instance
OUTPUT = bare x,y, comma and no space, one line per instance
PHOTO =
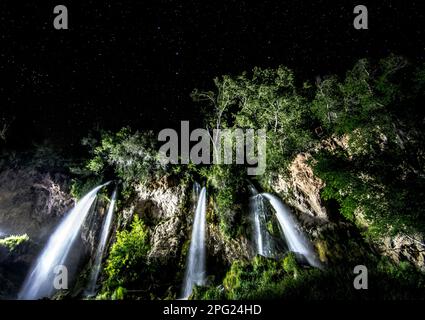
136,62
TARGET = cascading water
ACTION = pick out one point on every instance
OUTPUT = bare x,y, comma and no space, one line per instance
258,214
195,194
295,239
40,281
91,288
195,265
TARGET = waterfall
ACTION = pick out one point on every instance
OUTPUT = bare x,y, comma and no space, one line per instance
258,215
91,288
195,193
40,280
296,240
195,265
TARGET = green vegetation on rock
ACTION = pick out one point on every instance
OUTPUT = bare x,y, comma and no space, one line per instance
126,263
12,242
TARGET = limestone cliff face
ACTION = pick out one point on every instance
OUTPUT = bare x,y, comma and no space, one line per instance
32,201
301,190
161,205
227,249
405,247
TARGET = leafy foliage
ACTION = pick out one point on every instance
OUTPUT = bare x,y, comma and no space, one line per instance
380,173
285,279
133,157
127,260
12,242
266,99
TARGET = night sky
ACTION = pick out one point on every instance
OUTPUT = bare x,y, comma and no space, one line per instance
135,63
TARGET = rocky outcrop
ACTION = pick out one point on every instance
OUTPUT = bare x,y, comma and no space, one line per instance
400,247
227,249
404,248
32,201
301,190
162,207
161,200
91,229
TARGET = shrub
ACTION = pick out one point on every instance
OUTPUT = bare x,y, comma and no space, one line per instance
126,263
12,242
290,264
264,278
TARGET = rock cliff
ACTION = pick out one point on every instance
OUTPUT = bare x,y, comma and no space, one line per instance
301,190
32,201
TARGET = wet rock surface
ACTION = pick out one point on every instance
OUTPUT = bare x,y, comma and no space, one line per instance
32,202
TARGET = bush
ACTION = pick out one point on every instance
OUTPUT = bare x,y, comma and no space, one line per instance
245,279
290,264
126,263
12,242
119,293
208,293
285,279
